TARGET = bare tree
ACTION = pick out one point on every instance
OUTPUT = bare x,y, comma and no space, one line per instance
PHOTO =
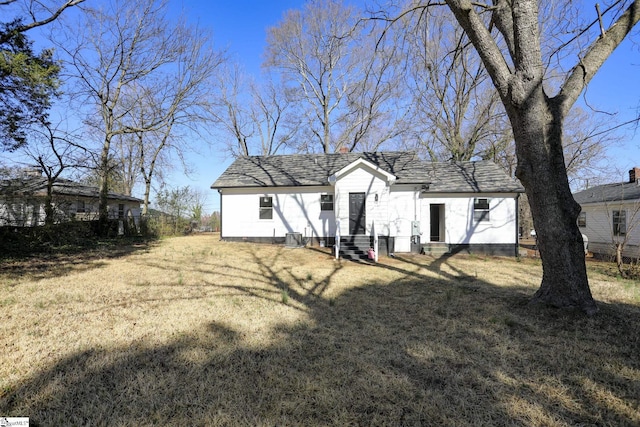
587,135
625,220
125,46
231,112
537,119
342,84
165,107
39,12
272,117
527,55
457,111
54,150
256,116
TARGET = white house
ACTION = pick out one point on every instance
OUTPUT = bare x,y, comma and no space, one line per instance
411,204
611,216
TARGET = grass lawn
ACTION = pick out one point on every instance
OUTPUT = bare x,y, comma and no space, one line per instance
193,331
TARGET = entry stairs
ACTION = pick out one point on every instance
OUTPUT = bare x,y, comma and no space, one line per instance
355,247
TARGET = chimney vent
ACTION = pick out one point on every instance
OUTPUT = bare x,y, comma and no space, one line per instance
634,174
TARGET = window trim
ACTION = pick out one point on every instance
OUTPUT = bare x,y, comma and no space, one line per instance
326,205
619,222
480,213
582,219
265,206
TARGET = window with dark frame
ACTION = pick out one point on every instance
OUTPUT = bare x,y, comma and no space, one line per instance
120,210
326,202
481,210
80,207
266,207
582,219
619,223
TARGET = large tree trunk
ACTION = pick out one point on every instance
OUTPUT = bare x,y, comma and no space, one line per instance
537,129
537,126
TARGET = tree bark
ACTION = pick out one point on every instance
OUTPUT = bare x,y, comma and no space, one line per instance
537,129
537,122
103,204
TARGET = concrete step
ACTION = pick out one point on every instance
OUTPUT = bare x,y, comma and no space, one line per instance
355,247
435,248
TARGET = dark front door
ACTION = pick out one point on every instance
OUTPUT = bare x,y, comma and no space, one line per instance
435,223
357,219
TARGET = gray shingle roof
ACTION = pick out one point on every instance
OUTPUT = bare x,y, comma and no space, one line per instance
609,193
37,186
314,169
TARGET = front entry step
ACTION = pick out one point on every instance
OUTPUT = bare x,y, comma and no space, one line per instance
356,247
436,248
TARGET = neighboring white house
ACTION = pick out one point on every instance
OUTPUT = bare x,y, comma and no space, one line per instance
22,202
611,215
412,204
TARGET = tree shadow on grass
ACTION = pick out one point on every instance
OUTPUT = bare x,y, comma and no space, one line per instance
422,350
62,261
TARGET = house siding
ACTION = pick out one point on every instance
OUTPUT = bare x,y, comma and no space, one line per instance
391,205
362,180
298,210
599,228
295,210
460,226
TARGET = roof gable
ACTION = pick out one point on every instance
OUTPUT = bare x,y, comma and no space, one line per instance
361,163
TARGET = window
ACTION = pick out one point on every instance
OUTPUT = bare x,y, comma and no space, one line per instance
120,210
266,207
582,219
481,209
326,202
619,223
80,208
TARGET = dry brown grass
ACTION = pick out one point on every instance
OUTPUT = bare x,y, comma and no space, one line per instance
194,331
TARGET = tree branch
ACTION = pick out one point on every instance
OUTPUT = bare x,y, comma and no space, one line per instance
599,51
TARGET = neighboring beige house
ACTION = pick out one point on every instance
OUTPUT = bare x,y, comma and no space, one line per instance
611,216
22,202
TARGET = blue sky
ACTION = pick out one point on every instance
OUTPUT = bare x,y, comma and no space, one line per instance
239,27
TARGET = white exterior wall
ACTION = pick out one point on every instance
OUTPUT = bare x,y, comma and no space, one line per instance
362,180
599,229
295,209
404,208
460,227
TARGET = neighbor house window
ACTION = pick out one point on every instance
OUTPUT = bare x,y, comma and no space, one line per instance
481,209
582,219
120,210
80,208
266,207
326,202
619,223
